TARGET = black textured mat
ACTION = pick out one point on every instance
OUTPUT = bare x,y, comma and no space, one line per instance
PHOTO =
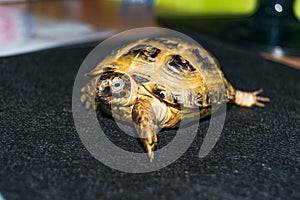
42,157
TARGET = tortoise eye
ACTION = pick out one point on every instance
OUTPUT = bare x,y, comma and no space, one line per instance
117,84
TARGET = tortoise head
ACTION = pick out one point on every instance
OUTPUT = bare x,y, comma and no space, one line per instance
114,87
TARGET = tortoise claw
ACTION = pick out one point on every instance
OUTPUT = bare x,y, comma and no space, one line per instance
150,145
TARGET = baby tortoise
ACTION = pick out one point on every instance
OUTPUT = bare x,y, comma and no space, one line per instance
155,83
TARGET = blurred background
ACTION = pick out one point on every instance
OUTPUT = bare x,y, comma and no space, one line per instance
269,27
41,154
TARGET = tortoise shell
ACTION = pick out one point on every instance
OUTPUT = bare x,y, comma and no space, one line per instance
176,72
155,83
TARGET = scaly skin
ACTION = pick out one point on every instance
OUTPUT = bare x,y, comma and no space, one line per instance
145,122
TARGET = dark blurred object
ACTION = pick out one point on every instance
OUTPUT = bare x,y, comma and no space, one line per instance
273,28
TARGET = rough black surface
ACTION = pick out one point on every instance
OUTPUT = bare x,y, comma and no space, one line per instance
42,157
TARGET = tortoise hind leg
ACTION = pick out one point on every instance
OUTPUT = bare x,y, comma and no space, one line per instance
250,99
245,99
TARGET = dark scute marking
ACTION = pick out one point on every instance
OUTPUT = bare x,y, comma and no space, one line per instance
208,100
159,92
154,52
144,51
150,53
199,102
175,100
135,50
139,78
204,59
180,64
199,99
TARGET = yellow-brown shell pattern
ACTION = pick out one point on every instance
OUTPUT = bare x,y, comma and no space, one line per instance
177,72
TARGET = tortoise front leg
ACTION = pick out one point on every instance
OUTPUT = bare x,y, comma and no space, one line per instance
145,122
88,96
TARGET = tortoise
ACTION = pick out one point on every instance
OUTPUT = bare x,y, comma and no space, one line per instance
156,82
